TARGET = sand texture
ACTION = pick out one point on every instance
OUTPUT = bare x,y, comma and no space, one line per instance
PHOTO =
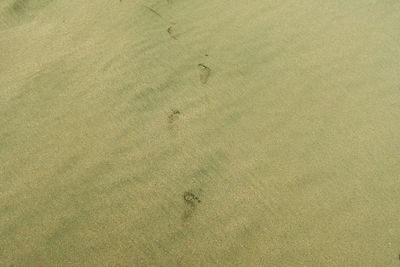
199,133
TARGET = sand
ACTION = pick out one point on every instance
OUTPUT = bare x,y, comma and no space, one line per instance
199,133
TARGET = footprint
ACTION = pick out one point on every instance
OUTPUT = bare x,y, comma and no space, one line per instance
191,200
171,32
174,115
204,73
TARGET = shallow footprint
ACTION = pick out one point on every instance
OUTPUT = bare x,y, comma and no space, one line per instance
204,73
171,32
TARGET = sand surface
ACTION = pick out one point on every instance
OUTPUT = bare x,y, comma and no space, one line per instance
199,133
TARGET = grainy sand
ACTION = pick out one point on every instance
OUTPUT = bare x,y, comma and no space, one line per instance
199,133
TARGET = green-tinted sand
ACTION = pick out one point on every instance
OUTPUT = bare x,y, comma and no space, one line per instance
199,133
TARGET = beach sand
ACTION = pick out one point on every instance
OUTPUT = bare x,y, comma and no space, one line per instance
199,133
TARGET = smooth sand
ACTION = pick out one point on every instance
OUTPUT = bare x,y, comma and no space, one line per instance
199,133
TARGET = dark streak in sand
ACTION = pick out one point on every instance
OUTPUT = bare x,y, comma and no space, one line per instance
153,11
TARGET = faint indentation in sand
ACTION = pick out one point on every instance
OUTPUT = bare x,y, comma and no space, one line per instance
171,32
204,73
173,116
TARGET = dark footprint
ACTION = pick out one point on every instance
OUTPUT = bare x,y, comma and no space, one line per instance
204,73
174,115
191,201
